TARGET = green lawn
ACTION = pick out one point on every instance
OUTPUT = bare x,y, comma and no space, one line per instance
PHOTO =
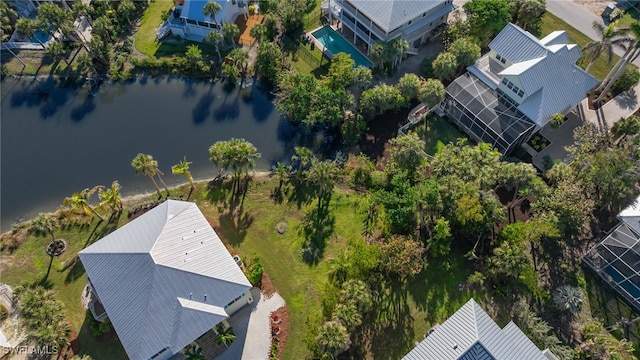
631,15
552,23
312,19
436,133
145,38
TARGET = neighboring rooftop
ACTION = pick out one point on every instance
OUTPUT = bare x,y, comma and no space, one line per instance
470,334
391,14
164,279
616,261
631,215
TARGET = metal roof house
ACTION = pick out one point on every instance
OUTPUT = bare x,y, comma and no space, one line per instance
387,20
189,22
164,280
616,259
470,334
513,91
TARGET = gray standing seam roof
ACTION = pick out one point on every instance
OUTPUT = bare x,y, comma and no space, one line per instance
390,14
470,334
164,278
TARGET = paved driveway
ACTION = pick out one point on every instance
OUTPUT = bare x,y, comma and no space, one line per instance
580,18
252,326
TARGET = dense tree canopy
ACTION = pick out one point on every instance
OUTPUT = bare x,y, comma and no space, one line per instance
486,18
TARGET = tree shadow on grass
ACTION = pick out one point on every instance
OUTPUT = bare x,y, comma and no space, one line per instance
75,268
317,227
388,331
301,192
229,196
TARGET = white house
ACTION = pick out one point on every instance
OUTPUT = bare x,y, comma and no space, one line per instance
164,279
470,334
516,88
189,22
387,20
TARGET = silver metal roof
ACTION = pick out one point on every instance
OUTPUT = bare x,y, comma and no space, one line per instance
546,69
390,14
164,278
470,334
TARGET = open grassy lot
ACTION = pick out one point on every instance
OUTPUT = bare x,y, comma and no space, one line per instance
601,67
145,38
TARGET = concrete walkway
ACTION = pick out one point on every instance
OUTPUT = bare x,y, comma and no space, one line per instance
621,106
252,326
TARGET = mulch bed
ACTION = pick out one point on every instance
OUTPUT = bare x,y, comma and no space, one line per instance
266,286
283,335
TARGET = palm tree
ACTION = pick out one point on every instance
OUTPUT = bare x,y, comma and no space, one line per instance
214,37
323,176
111,197
631,53
333,338
237,155
568,297
377,53
182,168
399,47
230,31
348,315
225,336
43,224
81,201
144,164
194,353
258,32
609,36
357,292
281,172
28,27
303,156
211,9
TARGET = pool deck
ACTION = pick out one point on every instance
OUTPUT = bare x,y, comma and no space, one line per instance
327,52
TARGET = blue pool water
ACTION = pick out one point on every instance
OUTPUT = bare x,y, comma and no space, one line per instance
40,35
335,43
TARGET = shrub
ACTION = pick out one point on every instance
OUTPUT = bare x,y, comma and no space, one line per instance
628,79
254,271
556,120
426,67
99,328
4,313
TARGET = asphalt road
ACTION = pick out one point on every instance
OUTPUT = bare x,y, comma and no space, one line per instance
580,18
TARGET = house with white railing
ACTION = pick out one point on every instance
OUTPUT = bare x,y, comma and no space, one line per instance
387,20
188,21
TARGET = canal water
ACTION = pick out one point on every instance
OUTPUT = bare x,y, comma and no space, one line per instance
59,140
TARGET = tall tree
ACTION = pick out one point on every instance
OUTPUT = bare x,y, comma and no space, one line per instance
377,54
258,32
323,176
212,9
409,85
528,13
431,92
44,224
348,315
182,168
333,338
126,9
608,37
465,51
400,47
567,297
341,74
445,65
358,293
268,59
144,164
215,37
407,153
235,155
486,18
631,53
81,201
230,31
111,197
28,27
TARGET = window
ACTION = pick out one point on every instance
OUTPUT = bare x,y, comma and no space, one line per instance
504,81
510,85
503,60
515,89
520,93
498,57
424,14
192,22
409,23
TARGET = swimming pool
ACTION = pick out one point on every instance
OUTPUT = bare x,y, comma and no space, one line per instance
335,43
40,35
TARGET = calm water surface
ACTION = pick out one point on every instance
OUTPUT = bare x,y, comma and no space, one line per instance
57,141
